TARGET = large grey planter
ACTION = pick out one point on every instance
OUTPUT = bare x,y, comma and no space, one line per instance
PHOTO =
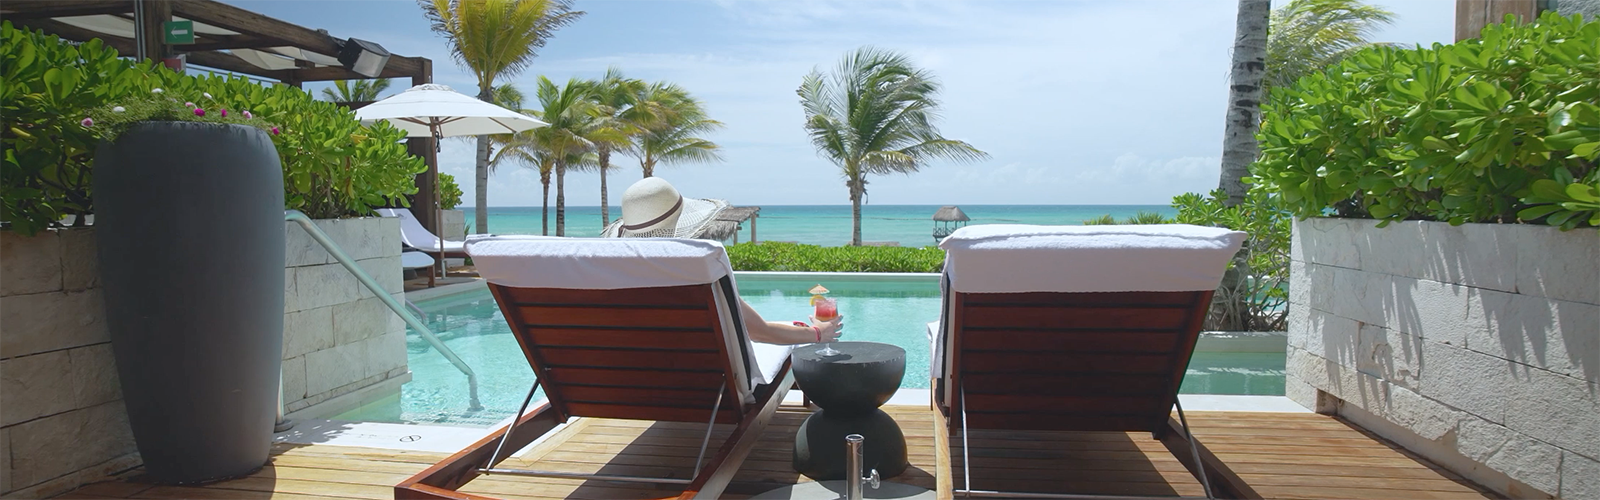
191,247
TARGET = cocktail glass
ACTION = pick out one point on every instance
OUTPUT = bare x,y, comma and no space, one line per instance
826,309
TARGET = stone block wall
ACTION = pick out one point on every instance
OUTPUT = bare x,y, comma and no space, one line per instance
454,224
338,336
62,420
1476,345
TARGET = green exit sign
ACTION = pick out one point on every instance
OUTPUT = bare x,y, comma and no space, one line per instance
178,32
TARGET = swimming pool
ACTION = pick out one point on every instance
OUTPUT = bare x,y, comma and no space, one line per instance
890,308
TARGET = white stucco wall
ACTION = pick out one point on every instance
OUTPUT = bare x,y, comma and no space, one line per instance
1477,346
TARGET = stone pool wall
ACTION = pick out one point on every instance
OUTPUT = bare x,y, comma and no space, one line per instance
62,419
1477,346
339,337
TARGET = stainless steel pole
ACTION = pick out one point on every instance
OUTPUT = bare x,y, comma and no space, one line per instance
853,455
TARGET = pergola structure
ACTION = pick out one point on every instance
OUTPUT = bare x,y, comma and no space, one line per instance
235,40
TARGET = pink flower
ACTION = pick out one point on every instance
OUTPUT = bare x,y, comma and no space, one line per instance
274,130
189,104
87,122
224,113
247,114
199,112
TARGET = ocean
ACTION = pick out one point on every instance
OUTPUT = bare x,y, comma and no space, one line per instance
829,225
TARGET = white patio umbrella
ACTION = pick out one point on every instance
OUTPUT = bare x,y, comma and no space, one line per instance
433,110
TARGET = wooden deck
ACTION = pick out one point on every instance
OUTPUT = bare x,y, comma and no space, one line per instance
1281,455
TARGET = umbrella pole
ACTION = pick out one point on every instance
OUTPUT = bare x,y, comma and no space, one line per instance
433,198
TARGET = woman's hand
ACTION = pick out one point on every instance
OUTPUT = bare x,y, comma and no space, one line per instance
830,329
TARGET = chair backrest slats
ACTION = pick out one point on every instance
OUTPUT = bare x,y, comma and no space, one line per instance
1073,361
638,353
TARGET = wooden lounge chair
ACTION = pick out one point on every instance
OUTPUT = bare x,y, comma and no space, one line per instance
644,329
1076,328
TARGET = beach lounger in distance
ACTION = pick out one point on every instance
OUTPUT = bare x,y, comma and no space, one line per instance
627,328
1076,328
419,238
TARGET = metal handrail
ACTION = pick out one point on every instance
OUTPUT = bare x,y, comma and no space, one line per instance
371,284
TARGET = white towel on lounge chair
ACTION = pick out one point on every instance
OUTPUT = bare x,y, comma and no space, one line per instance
1014,258
413,235
619,263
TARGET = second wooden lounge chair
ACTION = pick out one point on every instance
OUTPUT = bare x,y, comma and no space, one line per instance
1076,328
644,329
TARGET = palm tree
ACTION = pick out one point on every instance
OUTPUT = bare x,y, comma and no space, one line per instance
357,91
495,39
568,112
524,148
1239,147
1309,35
674,122
874,115
618,119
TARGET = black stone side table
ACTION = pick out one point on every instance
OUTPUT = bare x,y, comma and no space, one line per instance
849,386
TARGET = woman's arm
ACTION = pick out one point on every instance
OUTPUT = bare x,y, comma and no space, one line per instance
777,332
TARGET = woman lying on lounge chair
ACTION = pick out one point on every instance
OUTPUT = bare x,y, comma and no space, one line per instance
653,208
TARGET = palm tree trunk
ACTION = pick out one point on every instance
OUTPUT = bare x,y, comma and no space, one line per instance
481,179
605,209
855,211
649,167
544,217
1239,147
561,198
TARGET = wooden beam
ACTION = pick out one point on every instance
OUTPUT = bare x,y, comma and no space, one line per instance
156,12
243,21
1473,15
222,42
15,10
1224,482
425,202
250,23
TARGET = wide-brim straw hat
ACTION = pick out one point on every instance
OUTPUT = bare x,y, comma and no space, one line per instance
652,208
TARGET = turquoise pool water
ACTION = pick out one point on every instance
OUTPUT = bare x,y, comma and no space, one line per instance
883,308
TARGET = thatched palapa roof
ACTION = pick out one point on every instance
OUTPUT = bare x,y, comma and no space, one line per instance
950,213
727,222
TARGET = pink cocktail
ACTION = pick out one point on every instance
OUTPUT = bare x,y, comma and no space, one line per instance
826,309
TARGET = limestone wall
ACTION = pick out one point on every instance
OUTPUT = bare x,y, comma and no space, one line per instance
338,337
62,420
454,224
1477,346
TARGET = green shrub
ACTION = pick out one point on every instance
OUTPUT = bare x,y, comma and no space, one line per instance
449,192
1498,129
46,85
332,165
795,257
1142,217
1260,302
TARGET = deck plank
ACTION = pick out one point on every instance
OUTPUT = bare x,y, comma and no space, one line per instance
1281,455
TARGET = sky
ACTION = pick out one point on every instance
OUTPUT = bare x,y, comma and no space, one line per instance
1076,102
